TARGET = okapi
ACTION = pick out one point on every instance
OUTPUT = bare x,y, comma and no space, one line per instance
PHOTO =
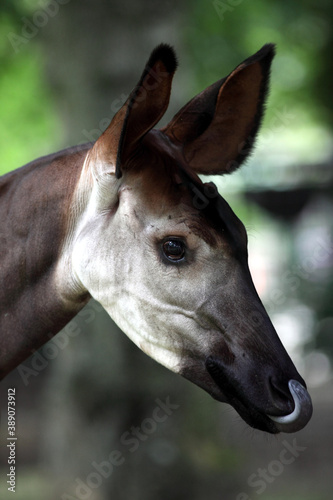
128,221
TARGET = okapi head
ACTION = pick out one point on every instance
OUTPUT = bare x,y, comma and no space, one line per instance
164,253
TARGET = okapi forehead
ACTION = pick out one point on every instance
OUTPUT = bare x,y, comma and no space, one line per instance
162,177
161,192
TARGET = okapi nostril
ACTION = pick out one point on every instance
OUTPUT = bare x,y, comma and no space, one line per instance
281,395
280,384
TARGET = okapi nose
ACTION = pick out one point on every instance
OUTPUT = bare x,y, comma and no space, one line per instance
268,402
301,413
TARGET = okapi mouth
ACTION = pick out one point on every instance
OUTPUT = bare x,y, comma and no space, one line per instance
297,404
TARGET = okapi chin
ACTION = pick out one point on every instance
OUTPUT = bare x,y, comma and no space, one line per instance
128,221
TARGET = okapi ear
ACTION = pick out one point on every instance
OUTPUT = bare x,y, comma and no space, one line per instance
217,128
144,107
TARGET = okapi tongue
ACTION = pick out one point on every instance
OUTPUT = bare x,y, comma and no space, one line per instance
302,413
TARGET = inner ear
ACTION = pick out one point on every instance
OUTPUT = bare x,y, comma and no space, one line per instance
216,130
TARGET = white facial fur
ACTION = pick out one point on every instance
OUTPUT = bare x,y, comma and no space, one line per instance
117,257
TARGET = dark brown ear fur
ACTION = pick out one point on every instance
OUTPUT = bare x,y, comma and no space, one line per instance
144,107
149,100
217,128
215,131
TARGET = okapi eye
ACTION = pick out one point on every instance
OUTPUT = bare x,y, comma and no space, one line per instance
174,250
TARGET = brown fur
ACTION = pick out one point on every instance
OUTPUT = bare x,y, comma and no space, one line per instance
34,205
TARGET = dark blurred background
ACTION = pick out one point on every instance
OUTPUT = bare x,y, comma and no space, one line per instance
66,68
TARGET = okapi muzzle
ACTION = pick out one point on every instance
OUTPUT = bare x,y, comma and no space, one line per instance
128,221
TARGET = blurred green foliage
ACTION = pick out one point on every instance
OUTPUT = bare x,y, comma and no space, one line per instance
29,121
219,34
298,121
227,31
